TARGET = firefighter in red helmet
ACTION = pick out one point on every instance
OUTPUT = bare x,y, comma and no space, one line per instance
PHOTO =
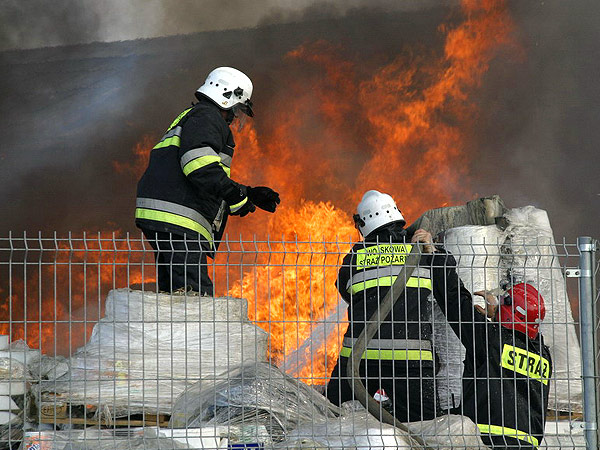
507,367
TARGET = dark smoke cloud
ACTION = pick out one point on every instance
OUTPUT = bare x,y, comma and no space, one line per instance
68,112
41,23
539,139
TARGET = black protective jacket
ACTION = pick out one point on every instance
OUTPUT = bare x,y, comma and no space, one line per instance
506,374
400,358
186,189
364,280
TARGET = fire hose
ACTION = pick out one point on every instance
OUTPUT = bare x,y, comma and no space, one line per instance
371,327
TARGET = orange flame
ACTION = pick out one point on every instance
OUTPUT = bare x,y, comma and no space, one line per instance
57,293
331,135
402,131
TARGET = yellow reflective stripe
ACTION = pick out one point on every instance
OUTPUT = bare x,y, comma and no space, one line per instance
508,432
424,283
382,255
198,163
175,219
178,118
402,355
526,363
174,140
234,208
226,169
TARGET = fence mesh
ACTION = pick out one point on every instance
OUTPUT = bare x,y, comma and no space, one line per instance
94,355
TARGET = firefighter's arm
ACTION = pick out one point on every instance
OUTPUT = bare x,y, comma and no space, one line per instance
343,278
201,163
455,301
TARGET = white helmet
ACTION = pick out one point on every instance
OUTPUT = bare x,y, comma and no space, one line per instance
376,210
228,88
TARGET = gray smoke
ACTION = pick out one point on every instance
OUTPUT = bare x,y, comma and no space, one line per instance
41,23
539,139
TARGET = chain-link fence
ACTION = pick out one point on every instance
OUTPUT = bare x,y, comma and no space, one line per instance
294,348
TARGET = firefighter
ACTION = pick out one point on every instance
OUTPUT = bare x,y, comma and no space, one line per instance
507,367
186,193
400,361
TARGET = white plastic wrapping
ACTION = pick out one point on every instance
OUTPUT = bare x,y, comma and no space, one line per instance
93,439
531,255
257,395
485,255
150,346
477,250
294,415
448,432
356,430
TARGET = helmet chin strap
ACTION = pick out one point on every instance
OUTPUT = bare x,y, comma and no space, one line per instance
229,116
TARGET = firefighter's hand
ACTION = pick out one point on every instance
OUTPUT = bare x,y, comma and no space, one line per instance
424,237
491,304
264,197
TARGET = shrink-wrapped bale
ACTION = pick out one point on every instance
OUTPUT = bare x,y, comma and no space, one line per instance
530,254
150,346
256,394
488,258
477,250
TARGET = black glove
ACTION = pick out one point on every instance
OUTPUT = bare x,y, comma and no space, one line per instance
239,201
264,197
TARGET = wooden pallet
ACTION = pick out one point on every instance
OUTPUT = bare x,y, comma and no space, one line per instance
66,413
563,415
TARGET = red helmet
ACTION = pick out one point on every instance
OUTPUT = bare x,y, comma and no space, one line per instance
522,308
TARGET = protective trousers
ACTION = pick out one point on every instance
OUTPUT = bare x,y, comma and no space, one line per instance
181,262
411,391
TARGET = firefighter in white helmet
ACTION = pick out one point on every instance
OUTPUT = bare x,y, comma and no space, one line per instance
186,194
399,363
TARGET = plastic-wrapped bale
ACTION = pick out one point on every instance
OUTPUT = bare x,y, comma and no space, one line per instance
94,439
530,253
256,395
150,346
451,354
448,432
354,430
525,249
15,380
477,250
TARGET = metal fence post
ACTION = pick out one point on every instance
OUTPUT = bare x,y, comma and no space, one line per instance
587,250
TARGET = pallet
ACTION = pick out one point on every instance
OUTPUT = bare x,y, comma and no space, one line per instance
563,415
71,414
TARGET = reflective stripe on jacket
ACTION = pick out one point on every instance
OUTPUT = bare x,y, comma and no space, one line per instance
508,432
366,274
392,349
184,187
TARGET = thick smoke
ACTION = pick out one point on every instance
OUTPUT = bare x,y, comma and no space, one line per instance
69,112
41,23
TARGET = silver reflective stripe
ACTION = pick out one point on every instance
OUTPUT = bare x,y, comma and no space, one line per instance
172,132
219,217
194,153
392,344
174,208
387,271
225,159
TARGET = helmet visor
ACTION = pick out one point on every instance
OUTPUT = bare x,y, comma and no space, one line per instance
245,108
